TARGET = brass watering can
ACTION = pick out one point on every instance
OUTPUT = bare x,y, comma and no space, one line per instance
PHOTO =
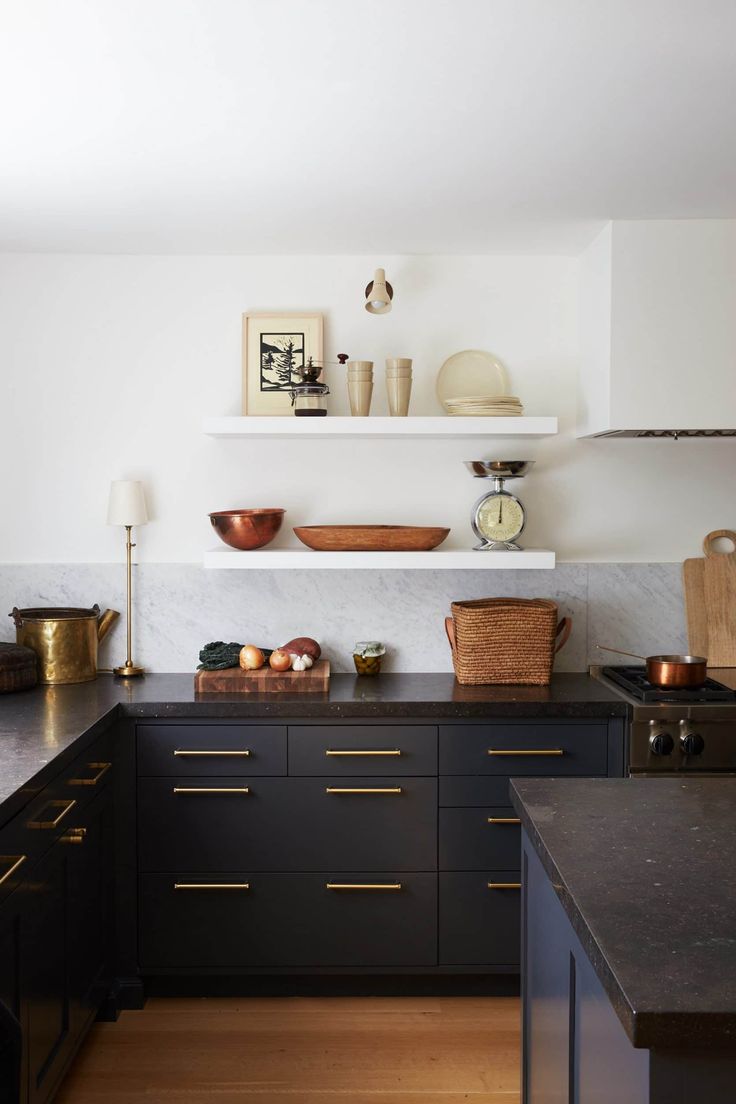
65,640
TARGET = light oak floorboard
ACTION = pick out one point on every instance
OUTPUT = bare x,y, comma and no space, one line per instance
323,1050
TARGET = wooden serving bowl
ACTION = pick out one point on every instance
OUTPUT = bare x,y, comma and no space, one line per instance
371,538
247,529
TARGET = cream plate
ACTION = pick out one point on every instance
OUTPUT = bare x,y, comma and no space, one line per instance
471,372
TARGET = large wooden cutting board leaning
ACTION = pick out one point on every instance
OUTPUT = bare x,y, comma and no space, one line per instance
710,601
266,681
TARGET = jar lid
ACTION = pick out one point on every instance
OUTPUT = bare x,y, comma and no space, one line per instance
369,648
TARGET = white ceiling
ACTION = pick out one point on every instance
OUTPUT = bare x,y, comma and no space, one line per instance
338,126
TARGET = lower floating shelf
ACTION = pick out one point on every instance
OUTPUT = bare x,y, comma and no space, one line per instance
451,559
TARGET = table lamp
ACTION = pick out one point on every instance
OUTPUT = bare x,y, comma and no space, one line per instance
127,506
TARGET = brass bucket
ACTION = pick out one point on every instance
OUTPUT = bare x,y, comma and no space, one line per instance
65,640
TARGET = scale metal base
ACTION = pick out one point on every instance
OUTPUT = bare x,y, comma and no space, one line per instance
497,546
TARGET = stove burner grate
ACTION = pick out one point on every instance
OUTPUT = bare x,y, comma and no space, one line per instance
634,681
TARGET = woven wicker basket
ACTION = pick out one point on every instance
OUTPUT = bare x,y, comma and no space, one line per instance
507,641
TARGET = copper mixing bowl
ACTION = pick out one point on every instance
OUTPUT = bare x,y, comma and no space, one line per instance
245,529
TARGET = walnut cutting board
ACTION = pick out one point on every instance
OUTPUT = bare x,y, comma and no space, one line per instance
266,681
710,601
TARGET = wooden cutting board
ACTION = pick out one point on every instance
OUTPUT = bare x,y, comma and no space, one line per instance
266,681
710,601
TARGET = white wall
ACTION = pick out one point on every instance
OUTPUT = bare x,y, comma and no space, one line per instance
109,364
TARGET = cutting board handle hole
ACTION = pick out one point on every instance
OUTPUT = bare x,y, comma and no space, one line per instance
721,542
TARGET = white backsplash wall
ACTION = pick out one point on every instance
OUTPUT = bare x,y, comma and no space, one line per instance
179,607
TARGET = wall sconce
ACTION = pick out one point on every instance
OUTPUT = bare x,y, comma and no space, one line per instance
378,294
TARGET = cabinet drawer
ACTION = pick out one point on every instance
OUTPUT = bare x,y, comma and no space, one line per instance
478,925
341,750
287,823
287,920
473,839
221,749
524,749
462,790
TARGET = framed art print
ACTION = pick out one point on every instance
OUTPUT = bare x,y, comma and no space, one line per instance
274,347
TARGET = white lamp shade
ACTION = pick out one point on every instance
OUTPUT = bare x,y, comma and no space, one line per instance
127,505
378,296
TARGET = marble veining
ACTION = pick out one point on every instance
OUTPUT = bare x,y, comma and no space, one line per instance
180,606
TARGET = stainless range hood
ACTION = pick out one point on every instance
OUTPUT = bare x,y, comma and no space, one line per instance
658,331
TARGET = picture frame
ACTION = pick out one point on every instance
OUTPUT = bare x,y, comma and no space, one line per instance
274,345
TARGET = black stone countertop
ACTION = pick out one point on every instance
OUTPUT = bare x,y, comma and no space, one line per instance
645,870
43,728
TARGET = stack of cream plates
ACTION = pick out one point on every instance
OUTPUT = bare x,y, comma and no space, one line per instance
497,406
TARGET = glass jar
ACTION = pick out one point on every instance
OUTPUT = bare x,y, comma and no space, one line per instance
310,400
367,656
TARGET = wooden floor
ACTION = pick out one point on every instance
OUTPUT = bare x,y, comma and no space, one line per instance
327,1050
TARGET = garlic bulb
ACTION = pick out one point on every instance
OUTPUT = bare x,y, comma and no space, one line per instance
298,664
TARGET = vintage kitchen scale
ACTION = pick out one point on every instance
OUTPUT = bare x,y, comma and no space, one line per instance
498,517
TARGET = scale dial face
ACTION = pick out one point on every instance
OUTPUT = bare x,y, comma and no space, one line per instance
498,518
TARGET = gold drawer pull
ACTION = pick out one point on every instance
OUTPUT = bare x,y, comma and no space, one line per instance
211,789
340,751
101,768
241,753
504,820
15,861
74,835
363,789
211,885
504,885
526,751
65,806
363,885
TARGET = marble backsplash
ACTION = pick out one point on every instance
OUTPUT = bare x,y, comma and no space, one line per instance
178,607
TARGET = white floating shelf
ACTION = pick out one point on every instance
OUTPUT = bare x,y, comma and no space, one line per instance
338,426
269,559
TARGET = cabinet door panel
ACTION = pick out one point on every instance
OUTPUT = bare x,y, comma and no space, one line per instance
344,750
477,839
287,824
524,749
12,926
287,920
479,925
211,749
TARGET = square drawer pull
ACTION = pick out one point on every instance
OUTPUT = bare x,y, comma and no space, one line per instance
526,751
211,790
504,820
341,751
100,768
15,861
64,806
363,885
211,885
504,885
235,753
363,789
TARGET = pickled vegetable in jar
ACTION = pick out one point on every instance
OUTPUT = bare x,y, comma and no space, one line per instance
367,656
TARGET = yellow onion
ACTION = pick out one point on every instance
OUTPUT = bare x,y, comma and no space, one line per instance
251,658
280,661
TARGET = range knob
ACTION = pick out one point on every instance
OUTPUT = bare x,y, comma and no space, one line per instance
692,743
661,743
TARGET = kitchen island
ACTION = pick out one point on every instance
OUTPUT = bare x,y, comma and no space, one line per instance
628,939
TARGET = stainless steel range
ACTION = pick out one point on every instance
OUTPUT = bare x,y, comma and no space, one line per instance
678,730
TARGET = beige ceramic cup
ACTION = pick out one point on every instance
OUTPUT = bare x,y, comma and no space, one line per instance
360,393
398,362
359,367
399,391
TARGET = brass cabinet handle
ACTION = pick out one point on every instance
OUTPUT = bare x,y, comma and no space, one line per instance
504,820
74,835
15,861
235,753
65,806
211,789
363,885
504,885
363,789
526,751
371,751
101,768
211,885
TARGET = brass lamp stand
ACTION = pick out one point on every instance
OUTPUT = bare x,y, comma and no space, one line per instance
127,507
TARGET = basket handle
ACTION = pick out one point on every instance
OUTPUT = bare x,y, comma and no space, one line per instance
450,630
563,631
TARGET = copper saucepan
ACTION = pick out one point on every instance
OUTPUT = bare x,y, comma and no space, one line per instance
671,672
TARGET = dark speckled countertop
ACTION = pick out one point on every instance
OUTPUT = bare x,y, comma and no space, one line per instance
645,870
43,728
